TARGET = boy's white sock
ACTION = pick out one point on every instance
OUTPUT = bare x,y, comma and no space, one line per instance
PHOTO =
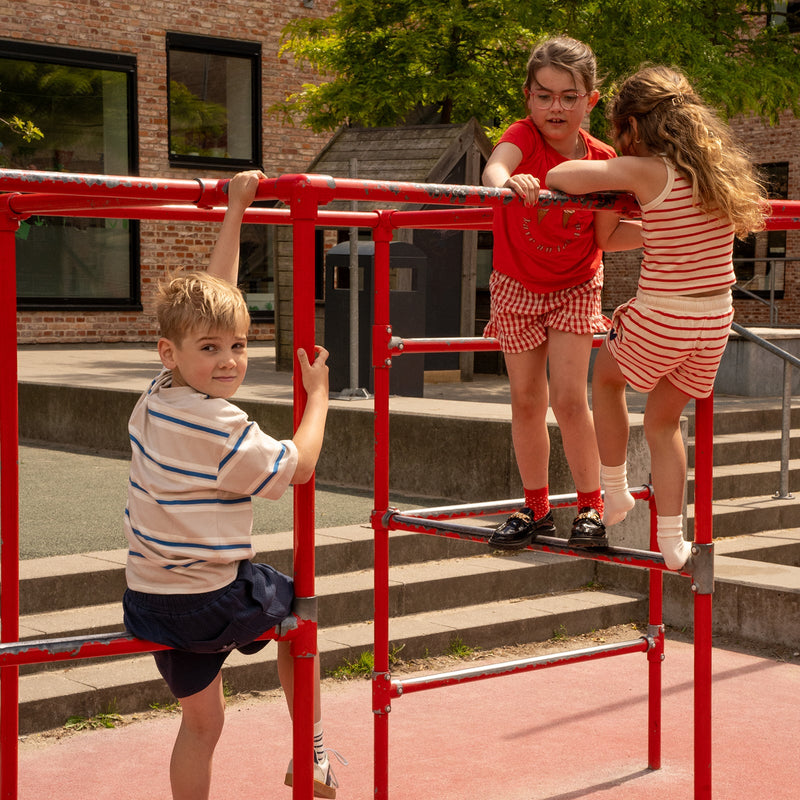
617,500
675,549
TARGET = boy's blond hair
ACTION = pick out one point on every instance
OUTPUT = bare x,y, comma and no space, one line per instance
198,301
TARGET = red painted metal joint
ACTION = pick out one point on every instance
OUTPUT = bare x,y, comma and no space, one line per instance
382,346
381,693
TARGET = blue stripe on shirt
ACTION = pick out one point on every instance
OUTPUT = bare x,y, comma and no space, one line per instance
204,501
204,475
235,447
185,424
274,470
193,545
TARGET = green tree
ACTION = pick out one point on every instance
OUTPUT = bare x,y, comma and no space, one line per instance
391,62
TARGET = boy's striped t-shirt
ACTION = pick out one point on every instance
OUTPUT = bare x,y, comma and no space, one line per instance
196,463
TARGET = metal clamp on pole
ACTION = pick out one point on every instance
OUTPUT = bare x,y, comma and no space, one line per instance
701,568
305,608
381,693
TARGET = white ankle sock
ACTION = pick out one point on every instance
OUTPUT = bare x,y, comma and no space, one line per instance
617,500
675,549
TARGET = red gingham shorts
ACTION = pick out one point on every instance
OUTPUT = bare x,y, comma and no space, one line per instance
519,318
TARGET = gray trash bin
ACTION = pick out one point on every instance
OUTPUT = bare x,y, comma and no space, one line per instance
407,265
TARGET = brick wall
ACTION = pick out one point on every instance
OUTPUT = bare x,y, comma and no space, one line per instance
139,29
766,144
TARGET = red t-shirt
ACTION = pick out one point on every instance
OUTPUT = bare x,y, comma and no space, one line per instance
545,248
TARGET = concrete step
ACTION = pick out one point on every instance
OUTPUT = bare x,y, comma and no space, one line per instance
752,478
755,599
773,547
747,447
347,598
60,582
738,516
48,699
746,414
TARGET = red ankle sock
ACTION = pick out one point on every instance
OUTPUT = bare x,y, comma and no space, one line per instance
538,501
592,500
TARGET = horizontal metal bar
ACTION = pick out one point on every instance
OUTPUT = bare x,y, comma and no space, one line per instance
443,345
457,677
118,643
505,506
454,344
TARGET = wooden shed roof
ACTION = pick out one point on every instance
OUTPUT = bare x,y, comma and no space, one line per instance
418,154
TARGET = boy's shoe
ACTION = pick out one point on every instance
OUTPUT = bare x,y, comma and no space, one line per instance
325,783
588,529
519,530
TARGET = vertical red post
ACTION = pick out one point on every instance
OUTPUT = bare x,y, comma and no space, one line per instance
9,503
655,657
703,533
381,703
304,648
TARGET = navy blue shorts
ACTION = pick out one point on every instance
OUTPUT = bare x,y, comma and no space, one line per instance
204,628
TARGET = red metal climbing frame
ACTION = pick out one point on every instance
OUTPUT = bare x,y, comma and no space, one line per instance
60,194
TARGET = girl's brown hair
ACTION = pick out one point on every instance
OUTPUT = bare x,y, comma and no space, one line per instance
672,120
566,54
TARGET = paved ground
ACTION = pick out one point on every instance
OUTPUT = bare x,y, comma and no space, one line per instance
560,734
578,731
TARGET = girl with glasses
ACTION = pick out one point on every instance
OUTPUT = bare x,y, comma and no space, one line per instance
545,290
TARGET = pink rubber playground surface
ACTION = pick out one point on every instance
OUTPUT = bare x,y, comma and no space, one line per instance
556,734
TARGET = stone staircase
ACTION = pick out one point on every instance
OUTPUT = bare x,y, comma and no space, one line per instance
445,592
756,535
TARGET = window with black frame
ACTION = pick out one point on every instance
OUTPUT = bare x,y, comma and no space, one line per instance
214,101
760,260
257,270
83,101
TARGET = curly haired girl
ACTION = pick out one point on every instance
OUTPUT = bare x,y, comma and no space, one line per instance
697,190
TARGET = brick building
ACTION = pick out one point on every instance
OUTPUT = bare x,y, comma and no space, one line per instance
169,89
161,88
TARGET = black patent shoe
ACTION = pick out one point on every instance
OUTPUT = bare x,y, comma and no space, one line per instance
519,530
588,529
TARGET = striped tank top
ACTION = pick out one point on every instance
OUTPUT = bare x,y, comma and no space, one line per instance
686,250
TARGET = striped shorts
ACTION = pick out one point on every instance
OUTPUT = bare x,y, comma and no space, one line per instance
519,318
680,338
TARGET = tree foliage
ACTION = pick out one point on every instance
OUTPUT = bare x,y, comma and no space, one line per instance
391,62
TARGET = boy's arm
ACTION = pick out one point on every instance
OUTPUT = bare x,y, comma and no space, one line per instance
311,430
224,261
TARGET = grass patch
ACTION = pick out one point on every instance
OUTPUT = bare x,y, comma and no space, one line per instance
559,634
364,665
105,719
457,648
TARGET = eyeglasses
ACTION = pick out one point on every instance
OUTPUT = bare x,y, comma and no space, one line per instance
545,100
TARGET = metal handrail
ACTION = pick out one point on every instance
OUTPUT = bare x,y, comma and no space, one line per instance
789,360
743,288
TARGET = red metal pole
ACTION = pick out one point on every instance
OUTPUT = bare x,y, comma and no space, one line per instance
304,214
703,534
9,503
381,681
655,657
